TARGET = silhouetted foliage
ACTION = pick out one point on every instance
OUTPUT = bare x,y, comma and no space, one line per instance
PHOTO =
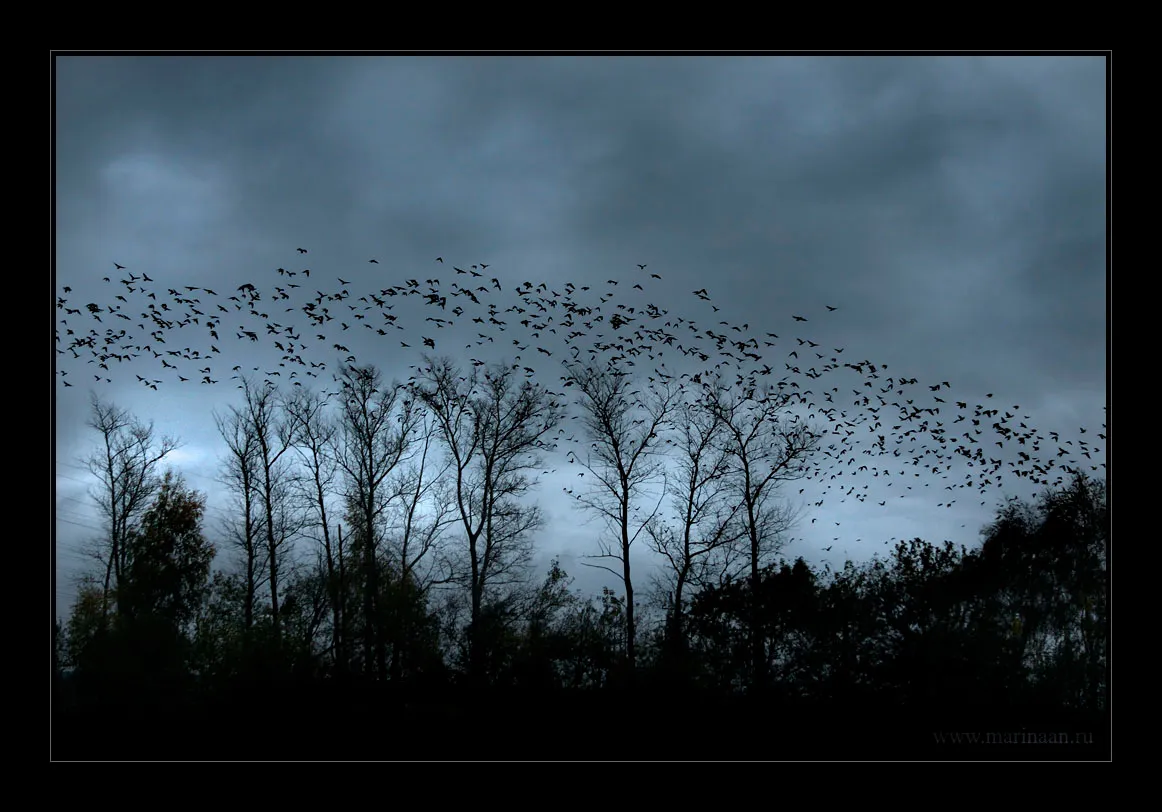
144,650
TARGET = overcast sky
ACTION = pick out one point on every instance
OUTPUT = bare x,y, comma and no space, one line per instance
951,209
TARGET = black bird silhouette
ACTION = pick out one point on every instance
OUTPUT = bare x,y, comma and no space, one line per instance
829,307
439,259
302,250
118,267
798,318
374,261
428,342
643,267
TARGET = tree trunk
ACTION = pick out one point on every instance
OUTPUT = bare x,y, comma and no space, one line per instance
757,648
272,546
342,654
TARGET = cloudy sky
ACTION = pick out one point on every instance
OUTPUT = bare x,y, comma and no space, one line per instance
951,209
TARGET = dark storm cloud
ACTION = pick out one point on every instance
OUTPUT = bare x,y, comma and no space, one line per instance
952,208
941,193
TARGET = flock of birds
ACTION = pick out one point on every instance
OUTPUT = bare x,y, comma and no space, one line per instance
871,424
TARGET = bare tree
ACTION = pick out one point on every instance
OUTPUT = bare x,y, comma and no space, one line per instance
273,437
126,466
426,509
314,434
623,429
493,430
705,529
379,422
244,529
767,444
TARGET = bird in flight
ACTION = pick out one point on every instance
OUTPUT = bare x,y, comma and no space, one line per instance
439,259
798,318
643,267
829,307
118,267
302,250
374,261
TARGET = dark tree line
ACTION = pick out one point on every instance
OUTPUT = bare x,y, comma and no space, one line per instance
1021,620
379,539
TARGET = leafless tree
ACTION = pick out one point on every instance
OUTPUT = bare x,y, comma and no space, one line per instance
623,426
700,540
379,423
767,443
425,511
493,429
314,435
126,467
273,437
245,528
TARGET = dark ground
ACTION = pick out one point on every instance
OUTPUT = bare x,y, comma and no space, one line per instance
324,722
